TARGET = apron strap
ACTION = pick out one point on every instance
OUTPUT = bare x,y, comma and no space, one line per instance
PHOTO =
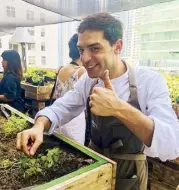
129,156
108,152
132,83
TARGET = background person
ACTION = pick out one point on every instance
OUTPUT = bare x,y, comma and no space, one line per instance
67,77
10,85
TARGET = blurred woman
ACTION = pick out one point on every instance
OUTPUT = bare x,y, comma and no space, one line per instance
10,88
67,77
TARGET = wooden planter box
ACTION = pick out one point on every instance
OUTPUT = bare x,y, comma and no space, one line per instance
157,185
164,174
39,93
99,175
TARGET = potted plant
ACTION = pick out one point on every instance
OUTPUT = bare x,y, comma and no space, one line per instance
50,76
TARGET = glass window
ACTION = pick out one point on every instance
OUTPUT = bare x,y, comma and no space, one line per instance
29,15
10,11
42,32
43,46
31,47
31,31
43,60
31,60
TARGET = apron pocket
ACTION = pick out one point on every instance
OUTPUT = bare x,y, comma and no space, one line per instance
127,184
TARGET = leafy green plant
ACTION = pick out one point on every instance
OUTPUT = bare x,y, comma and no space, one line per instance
37,71
173,85
37,78
40,164
14,125
177,99
6,163
50,74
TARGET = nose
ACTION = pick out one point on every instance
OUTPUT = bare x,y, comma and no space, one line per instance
85,56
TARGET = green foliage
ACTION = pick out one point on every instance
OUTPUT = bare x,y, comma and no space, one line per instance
173,85
40,164
50,74
14,125
6,163
37,78
36,75
177,99
35,71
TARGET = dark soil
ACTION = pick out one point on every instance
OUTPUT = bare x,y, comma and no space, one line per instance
12,177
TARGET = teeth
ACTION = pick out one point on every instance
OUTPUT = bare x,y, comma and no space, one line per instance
91,66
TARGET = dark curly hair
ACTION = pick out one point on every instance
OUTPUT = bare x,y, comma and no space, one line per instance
112,27
73,50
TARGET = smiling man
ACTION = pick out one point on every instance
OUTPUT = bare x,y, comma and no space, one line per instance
130,107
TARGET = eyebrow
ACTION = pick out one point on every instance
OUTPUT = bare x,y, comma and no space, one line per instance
91,45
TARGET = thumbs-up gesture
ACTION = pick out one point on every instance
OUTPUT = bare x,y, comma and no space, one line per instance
104,100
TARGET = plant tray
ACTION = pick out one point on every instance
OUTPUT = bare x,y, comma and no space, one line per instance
39,93
98,172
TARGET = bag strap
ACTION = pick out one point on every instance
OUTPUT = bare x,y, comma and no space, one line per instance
53,89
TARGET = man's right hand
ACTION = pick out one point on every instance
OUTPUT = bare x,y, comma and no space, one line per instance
29,140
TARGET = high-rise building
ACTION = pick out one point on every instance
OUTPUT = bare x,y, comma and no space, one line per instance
50,49
159,31
131,38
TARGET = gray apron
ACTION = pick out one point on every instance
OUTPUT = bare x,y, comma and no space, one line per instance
110,137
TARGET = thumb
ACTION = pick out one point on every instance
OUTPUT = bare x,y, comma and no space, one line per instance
107,81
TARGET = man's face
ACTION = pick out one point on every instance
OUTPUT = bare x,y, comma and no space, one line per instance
96,53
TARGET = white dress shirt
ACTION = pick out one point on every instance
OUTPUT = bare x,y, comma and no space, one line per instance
154,101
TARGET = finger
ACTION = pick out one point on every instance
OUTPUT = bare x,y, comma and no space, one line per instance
107,81
94,90
35,145
24,142
92,97
93,111
90,104
18,141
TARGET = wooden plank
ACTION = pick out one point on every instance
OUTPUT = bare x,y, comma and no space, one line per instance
90,152
176,161
69,176
29,87
37,92
35,96
171,164
156,185
166,174
36,89
99,178
18,113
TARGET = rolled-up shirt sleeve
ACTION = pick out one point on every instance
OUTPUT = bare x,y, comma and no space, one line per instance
68,107
165,142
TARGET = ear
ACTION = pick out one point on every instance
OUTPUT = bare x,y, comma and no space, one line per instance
118,46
